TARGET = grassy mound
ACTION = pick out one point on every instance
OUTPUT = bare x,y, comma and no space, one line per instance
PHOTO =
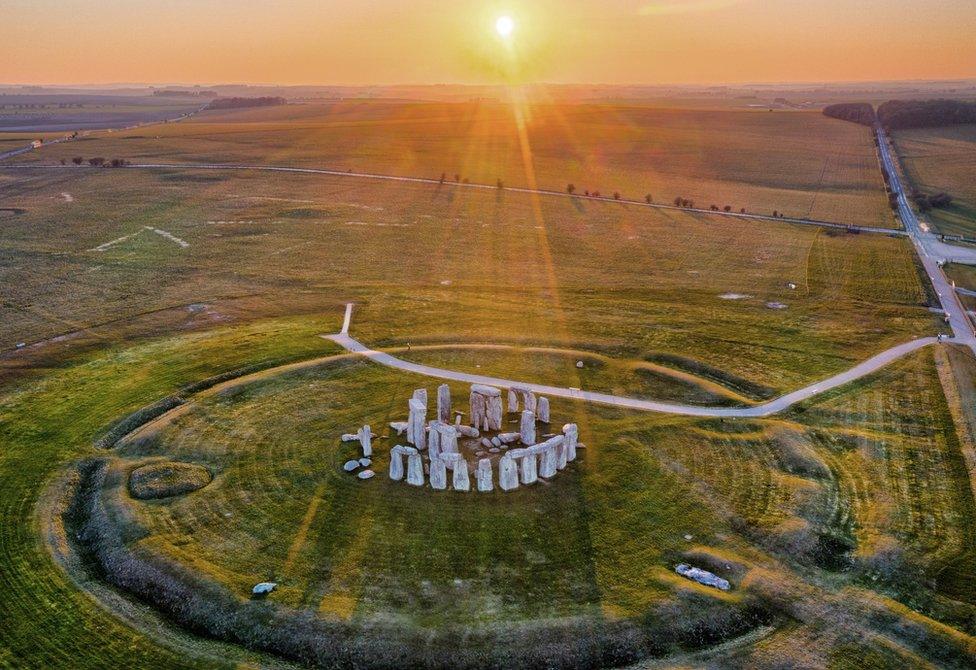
167,479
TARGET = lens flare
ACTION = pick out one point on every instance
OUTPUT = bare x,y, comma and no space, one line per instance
504,26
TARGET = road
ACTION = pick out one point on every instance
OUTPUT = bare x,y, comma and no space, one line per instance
766,409
451,184
930,251
68,138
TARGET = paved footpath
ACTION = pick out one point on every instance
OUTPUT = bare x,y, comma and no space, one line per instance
766,409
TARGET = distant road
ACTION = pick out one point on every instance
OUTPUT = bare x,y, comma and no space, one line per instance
453,184
766,409
931,251
68,138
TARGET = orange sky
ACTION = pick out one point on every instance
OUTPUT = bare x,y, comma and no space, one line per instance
448,41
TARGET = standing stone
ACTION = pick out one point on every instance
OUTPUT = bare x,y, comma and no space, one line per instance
444,403
527,428
396,463
486,407
494,412
415,468
530,469
433,441
421,395
438,473
484,475
366,441
417,424
543,409
508,473
507,438
446,437
513,403
478,409
462,481
548,466
561,454
571,432
530,401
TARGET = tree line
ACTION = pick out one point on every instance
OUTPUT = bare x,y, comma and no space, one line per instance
903,114
241,103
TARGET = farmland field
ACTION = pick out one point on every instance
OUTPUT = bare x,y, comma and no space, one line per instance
799,163
943,159
165,325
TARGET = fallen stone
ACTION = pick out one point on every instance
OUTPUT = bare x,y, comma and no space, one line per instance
350,466
264,588
494,450
349,437
366,474
702,577
495,441
365,462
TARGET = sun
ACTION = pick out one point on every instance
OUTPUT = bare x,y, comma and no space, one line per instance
504,26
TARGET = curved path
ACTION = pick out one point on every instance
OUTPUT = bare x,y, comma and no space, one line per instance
862,369
425,180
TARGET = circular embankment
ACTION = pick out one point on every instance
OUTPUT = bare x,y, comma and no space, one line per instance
575,572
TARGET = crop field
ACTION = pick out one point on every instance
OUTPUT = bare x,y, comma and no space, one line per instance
798,163
201,246
60,114
943,159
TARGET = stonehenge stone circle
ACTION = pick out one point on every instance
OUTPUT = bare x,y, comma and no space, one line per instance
437,446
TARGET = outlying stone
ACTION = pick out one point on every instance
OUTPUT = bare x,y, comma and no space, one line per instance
349,466
703,577
366,474
264,588
365,462
349,437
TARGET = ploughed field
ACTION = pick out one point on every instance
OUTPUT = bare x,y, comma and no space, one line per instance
943,160
798,163
89,255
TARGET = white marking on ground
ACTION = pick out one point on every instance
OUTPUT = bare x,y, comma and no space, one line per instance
347,319
169,236
118,240
734,296
67,197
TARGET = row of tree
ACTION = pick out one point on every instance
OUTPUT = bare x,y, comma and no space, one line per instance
901,114
98,161
241,103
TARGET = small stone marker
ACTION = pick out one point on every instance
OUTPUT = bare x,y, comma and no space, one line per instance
366,474
264,588
350,466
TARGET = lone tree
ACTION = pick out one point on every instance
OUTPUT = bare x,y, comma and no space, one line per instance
648,199
678,201
616,195
500,184
728,208
443,176
570,189
77,160
96,162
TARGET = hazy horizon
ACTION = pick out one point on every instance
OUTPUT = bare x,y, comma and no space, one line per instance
388,43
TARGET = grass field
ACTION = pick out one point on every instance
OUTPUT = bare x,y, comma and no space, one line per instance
943,159
553,272
799,163
846,525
